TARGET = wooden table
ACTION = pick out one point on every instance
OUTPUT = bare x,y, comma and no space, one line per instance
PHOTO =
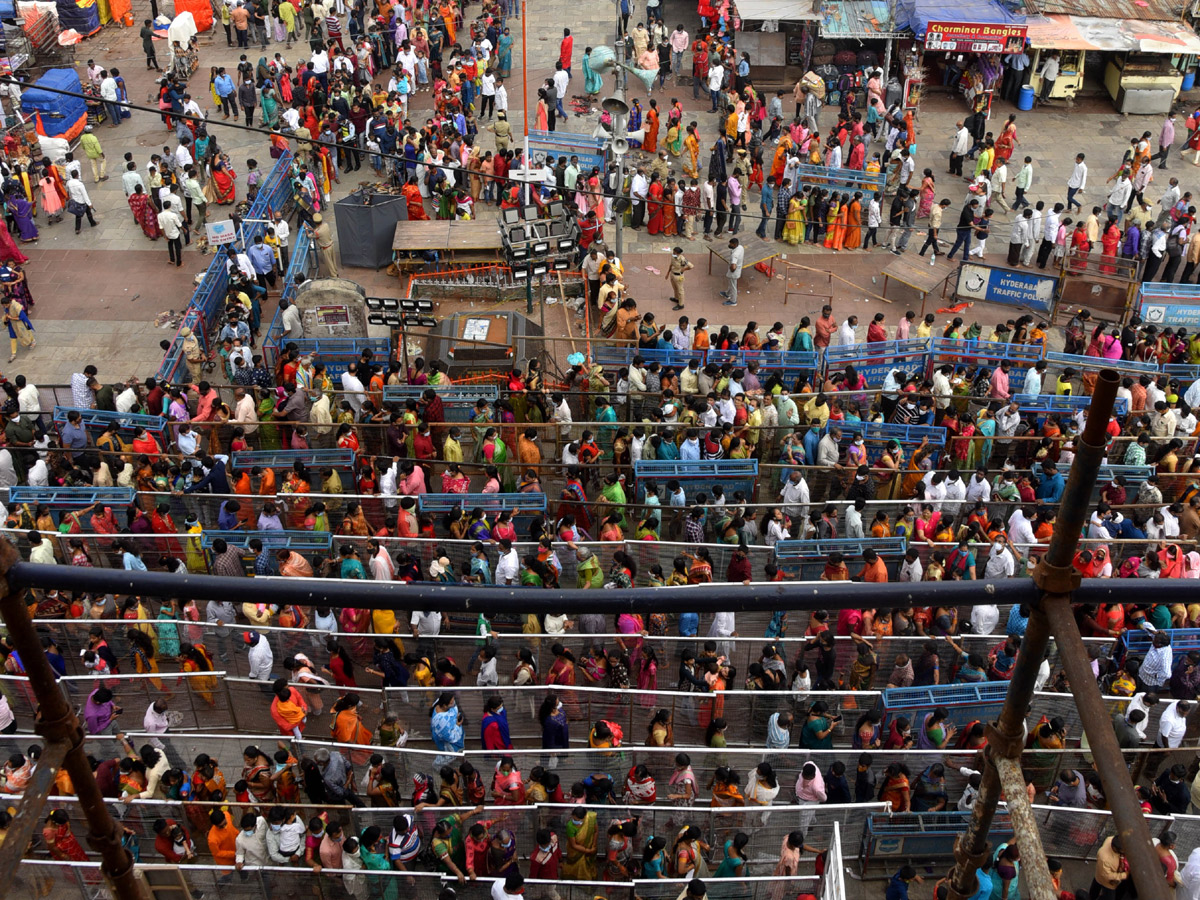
459,241
916,272
757,250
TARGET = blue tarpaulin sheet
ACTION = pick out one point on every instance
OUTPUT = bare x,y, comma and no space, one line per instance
59,112
915,15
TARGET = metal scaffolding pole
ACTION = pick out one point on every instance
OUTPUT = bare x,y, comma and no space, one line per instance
1051,613
56,722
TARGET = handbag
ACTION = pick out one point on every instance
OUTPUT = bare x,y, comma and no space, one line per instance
75,208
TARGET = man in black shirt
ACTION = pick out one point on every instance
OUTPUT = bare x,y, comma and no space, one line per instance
966,221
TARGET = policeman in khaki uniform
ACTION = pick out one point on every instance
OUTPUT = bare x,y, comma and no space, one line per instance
679,265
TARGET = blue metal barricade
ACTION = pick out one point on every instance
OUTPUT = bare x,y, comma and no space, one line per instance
71,497
614,357
1021,357
696,475
96,420
964,702
841,179
790,364
303,541
285,459
1132,368
338,353
806,559
1169,305
1137,641
874,361
889,837
1183,372
1047,403
877,434
458,401
527,504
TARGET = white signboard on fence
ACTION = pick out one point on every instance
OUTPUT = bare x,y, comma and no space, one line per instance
220,233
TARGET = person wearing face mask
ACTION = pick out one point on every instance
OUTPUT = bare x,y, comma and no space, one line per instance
1001,561
330,850
251,843
446,727
285,837
172,842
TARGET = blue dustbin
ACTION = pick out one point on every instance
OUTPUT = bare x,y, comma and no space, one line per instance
1025,101
1189,79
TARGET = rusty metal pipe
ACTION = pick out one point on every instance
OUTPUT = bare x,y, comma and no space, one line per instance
57,723
1128,818
1025,829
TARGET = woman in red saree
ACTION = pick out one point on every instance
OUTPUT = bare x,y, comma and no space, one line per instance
1080,247
357,621
416,206
8,247
1006,142
144,214
562,673
650,141
223,183
654,205
1110,241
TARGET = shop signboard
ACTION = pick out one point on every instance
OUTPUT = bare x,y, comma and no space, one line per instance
970,37
977,281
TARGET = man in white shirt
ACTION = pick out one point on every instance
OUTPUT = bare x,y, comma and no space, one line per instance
126,400
77,191
1020,529
29,400
108,95
984,618
508,568
1000,562
155,722
979,488
911,569
941,389
283,231
638,189
561,85
320,63
956,492
846,333
501,96
1172,724
960,144
245,412
795,496
1033,379
260,656
293,323
716,76
487,90
1077,183
356,392
854,526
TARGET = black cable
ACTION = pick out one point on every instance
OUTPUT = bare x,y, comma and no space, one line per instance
746,216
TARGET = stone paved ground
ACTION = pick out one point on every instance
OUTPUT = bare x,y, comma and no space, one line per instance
98,293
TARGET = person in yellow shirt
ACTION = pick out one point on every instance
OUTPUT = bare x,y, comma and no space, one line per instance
816,411
925,329
1063,387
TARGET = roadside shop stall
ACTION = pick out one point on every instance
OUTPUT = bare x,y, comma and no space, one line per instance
966,45
860,35
1139,61
779,35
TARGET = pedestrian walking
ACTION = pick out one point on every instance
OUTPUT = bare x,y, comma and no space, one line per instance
737,253
172,226
1077,183
1022,183
95,154
959,145
1166,138
966,222
248,96
931,238
79,204
679,265
1021,237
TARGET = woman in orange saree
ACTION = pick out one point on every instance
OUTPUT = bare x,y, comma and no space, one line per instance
853,224
447,12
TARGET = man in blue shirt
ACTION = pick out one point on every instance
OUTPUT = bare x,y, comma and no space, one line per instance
74,435
897,888
1050,488
234,329
223,85
227,516
262,258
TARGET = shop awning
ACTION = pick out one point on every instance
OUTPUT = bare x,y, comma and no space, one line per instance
861,19
1057,32
915,15
778,10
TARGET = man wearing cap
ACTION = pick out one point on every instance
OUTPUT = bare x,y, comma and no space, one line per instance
260,656
193,354
324,239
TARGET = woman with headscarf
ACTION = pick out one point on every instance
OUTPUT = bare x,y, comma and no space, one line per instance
22,212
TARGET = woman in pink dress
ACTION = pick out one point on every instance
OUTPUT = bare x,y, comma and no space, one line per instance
927,194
